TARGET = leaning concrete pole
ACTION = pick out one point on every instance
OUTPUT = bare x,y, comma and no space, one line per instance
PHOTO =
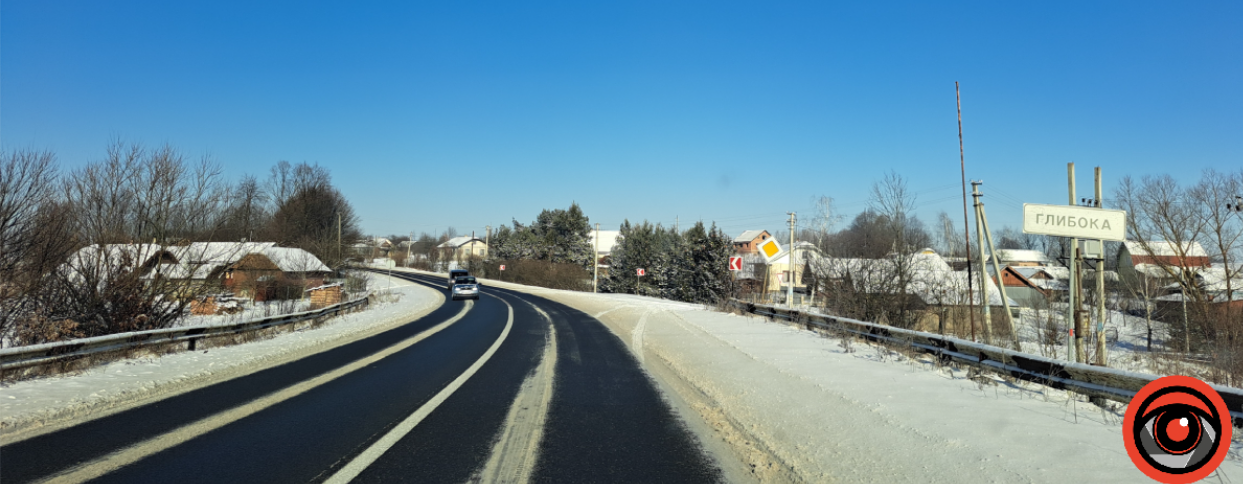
979,233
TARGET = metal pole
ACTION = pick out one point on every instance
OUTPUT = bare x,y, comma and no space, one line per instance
1101,351
790,267
1070,297
596,258
979,233
966,230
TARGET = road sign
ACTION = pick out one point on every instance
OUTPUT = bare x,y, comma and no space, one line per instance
1072,221
770,249
502,267
735,263
640,272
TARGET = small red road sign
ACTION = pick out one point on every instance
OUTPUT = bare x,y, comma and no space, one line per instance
502,267
735,263
640,272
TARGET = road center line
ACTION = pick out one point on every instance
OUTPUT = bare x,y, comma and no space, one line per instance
129,455
377,449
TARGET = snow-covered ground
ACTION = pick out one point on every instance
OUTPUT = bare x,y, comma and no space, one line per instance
776,403
37,405
792,405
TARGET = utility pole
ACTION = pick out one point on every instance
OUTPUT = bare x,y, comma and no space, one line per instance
790,267
966,230
487,240
1074,337
979,233
340,256
596,259
1101,355
992,249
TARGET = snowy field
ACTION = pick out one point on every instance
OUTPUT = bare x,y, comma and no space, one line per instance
793,406
38,405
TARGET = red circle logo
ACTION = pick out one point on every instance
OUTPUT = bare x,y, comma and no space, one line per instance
1177,430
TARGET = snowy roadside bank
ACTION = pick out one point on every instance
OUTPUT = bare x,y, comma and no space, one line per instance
796,406
40,405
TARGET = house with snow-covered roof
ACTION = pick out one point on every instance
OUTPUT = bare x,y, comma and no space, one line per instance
748,242
1160,260
463,247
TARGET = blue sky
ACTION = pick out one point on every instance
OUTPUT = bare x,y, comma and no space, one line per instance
466,114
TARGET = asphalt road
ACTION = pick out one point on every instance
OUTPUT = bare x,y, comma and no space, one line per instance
430,401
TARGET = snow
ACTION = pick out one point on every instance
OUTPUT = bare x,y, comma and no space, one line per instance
39,404
776,401
795,405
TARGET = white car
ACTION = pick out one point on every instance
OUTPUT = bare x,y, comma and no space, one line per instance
465,287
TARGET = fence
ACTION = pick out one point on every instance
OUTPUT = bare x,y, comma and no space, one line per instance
65,351
1093,381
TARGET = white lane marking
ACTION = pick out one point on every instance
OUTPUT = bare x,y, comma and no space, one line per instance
377,449
129,455
636,336
515,453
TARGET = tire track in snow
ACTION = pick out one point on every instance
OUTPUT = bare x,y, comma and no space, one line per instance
516,452
636,336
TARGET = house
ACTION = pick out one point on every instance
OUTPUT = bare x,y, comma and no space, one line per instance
248,268
275,273
781,274
603,247
933,287
1160,259
749,241
1032,286
1021,258
463,247
608,240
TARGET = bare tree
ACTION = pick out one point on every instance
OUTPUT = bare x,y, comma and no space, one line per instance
34,232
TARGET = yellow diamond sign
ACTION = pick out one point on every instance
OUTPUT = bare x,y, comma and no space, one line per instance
770,249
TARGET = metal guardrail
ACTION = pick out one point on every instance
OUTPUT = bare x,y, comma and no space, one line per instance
1093,381
63,351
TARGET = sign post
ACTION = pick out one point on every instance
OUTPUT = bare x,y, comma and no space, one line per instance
639,273
1075,222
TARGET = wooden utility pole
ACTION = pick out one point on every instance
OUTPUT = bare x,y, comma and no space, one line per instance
1074,317
966,230
790,267
596,258
1101,355
340,255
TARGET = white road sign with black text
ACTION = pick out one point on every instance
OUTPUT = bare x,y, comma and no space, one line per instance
1072,221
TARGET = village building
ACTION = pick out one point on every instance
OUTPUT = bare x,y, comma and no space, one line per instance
749,241
941,295
464,247
257,270
603,247
1160,260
